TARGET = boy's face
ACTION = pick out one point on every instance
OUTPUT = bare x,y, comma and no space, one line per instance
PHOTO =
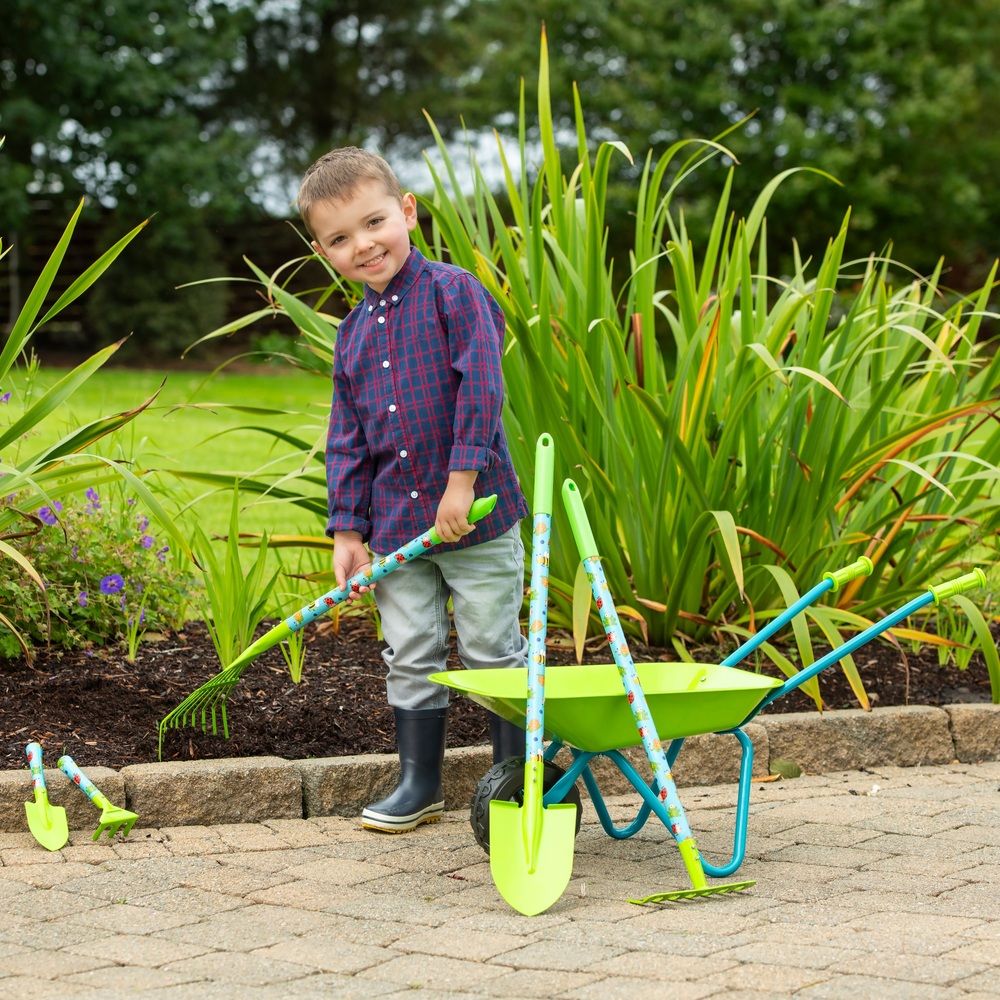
366,237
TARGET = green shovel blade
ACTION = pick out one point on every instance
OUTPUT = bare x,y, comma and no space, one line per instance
531,884
47,822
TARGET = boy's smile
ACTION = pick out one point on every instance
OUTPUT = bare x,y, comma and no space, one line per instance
366,237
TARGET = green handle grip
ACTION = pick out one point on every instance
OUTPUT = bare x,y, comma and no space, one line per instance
839,577
573,502
977,578
481,506
544,466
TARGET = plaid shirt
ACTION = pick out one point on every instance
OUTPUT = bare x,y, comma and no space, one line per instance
418,393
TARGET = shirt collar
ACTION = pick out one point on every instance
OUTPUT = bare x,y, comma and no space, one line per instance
401,282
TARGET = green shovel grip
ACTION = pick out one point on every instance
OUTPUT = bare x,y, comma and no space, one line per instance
977,578
839,577
573,502
479,509
544,467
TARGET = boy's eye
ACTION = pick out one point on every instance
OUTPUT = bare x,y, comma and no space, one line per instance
375,221
336,240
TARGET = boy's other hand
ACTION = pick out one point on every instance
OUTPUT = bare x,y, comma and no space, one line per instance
350,557
452,519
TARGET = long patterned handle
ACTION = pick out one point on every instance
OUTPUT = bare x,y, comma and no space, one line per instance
34,754
68,767
412,549
666,789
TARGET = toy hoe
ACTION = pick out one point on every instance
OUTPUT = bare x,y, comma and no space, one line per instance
46,822
113,818
531,846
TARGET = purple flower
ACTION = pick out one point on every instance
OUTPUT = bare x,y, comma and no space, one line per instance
142,522
92,494
147,541
112,584
5,397
162,554
48,514
82,599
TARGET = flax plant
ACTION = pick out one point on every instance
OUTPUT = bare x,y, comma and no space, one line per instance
736,433
736,436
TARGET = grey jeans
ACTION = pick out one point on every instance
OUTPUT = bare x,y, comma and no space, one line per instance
486,586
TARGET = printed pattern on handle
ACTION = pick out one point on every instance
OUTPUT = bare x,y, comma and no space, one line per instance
68,767
537,620
666,789
376,571
34,754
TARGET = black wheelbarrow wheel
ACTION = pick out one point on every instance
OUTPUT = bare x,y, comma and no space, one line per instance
504,782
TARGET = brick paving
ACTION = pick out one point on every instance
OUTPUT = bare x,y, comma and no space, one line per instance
876,883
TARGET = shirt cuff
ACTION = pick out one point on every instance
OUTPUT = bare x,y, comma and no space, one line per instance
344,522
466,458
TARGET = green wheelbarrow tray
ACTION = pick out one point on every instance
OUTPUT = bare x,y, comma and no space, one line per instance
585,707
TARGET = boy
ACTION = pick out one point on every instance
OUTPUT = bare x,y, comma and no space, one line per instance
415,428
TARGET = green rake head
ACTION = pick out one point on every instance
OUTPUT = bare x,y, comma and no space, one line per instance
709,890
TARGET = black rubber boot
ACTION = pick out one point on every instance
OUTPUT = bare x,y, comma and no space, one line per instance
507,739
420,736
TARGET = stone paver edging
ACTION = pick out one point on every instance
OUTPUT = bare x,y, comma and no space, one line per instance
248,790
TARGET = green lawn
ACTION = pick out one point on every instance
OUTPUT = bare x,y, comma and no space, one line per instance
182,430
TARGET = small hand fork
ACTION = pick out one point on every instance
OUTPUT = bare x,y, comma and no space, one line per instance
113,819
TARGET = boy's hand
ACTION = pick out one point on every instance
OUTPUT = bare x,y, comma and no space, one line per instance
452,519
350,557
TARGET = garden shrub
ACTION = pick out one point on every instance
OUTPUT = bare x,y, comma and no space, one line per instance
102,564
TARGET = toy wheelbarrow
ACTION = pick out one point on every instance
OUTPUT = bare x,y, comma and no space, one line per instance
587,713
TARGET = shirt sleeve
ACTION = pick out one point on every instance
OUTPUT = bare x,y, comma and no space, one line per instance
475,339
349,465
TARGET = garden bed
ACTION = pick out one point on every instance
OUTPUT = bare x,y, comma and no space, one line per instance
102,710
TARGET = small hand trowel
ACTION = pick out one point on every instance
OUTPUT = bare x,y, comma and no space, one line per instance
46,822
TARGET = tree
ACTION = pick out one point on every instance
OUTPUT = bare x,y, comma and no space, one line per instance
892,97
115,100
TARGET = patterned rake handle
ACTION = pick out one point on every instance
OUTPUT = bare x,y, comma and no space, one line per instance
113,818
666,788
204,701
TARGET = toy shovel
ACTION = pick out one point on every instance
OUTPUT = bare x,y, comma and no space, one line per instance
531,846
113,819
46,822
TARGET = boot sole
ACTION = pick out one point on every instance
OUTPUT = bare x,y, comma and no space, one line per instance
385,823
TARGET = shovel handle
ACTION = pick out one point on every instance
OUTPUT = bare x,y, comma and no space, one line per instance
68,767
34,754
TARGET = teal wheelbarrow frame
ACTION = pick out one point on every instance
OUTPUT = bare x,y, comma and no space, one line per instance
586,713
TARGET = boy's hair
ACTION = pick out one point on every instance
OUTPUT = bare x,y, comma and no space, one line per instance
336,175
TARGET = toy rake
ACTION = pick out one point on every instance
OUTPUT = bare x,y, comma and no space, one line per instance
208,702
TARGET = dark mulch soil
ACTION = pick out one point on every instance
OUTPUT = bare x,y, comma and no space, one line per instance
102,710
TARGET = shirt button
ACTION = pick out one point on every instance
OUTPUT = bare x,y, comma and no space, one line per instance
370,308
381,319
395,298
414,494
382,303
392,407
403,453
385,364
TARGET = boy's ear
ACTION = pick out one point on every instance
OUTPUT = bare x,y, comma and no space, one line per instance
318,248
410,211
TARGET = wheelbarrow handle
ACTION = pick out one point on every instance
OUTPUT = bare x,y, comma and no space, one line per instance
977,578
930,596
862,567
830,582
